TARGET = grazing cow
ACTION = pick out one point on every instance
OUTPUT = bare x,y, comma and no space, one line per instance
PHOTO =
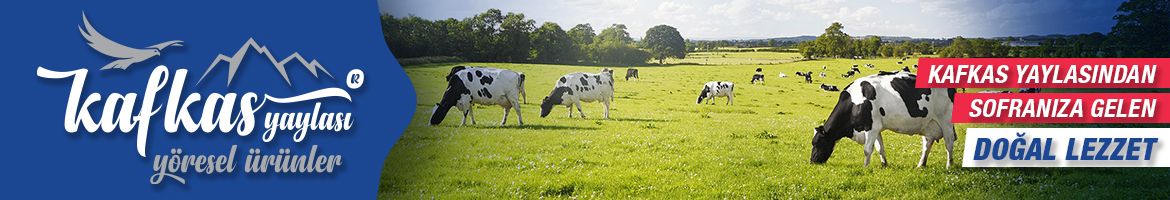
875,103
849,74
574,88
830,88
631,73
480,85
899,62
717,89
759,76
807,76
782,75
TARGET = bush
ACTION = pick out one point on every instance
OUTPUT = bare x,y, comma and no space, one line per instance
429,60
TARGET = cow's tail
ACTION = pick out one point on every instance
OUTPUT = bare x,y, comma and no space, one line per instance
520,86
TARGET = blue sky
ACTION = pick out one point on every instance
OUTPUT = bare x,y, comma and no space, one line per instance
740,19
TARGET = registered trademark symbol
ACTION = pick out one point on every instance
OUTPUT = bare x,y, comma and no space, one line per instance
355,78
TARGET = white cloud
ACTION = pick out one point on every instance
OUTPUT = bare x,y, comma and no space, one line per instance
670,10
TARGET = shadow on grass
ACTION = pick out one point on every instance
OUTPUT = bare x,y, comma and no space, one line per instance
639,120
534,127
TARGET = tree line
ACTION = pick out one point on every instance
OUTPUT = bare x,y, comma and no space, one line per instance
835,43
493,36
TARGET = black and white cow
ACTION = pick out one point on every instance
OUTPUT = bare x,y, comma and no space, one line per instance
830,88
759,76
717,89
574,88
887,102
848,74
480,85
631,73
807,76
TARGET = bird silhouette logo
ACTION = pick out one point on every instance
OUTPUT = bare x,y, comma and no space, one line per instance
126,56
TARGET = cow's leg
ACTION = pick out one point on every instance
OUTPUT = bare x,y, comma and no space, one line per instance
579,110
881,149
507,109
606,103
471,114
570,109
949,137
870,139
730,99
464,122
519,117
926,143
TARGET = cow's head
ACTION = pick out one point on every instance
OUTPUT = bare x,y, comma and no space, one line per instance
841,123
823,144
456,90
703,94
556,97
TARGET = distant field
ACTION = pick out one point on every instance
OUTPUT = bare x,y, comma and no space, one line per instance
737,58
661,145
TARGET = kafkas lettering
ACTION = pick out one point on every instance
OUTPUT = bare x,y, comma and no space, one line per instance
226,113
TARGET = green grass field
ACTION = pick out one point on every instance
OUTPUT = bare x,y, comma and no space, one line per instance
661,145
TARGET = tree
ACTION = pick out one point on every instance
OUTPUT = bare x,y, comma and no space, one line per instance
615,47
514,31
485,35
1143,27
664,41
834,41
550,44
582,36
615,33
869,46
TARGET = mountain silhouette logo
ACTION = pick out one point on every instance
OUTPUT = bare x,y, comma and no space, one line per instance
234,62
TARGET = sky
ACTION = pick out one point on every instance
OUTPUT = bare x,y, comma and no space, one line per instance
753,19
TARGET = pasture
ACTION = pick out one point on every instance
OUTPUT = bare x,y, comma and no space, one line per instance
660,144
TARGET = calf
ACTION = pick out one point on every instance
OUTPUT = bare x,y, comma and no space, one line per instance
480,85
887,102
631,73
759,76
574,88
830,88
717,89
782,75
